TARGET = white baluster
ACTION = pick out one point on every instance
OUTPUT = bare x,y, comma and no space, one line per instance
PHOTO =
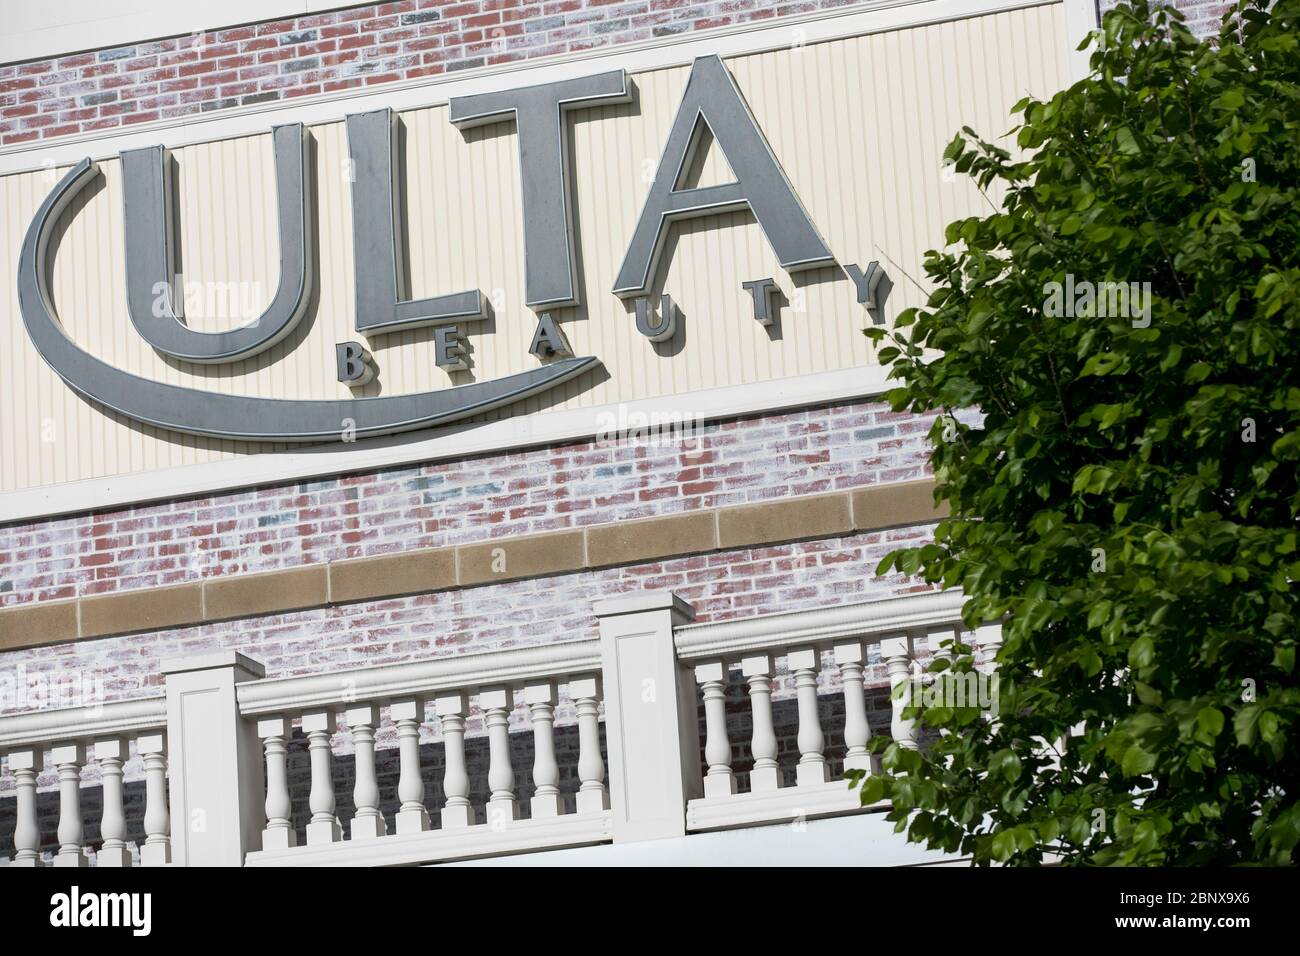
812,769
766,775
25,765
850,658
719,781
451,708
279,833
988,637
412,817
496,703
68,758
896,651
945,688
111,753
324,826
157,848
368,823
592,795
545,802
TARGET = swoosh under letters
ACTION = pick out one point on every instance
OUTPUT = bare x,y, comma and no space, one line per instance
200,412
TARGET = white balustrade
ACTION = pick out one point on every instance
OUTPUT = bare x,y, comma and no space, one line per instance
659,662
803,638
324,827
412,816
368,823
545,802
497,823
111,753
718,779
25,765
68,758
279,833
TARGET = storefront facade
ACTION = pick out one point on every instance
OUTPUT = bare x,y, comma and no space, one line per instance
388,337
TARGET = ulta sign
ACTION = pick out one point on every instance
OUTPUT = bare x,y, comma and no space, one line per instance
711,100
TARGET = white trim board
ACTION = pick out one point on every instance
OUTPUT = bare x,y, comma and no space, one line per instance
454,441
876,16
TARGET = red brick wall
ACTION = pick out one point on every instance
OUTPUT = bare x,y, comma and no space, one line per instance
1203,16
326,52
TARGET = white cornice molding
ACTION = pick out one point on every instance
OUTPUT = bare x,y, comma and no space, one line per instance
42,727
869,621
455,441
465,672
873,17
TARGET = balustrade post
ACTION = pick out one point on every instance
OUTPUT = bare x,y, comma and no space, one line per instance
649,708
68,758
805,662
896,651
719,781
496,704
408,715
279,833
324,826
540,698
368,822
765,775
451,708
111,753
593,796
218,792
25,765
157,847
857,731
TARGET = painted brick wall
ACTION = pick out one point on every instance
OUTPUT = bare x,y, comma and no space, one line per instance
1203,16
721,586
327,52
363,46
446,503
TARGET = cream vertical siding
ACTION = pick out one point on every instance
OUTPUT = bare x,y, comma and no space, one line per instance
859,125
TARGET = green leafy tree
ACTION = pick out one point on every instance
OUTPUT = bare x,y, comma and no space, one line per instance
1122,482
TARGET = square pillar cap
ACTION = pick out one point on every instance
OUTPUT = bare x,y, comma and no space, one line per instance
214,661
644,602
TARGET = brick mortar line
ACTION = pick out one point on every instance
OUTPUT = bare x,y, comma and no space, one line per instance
312,586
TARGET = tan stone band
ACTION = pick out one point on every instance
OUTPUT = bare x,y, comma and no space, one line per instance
469,565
